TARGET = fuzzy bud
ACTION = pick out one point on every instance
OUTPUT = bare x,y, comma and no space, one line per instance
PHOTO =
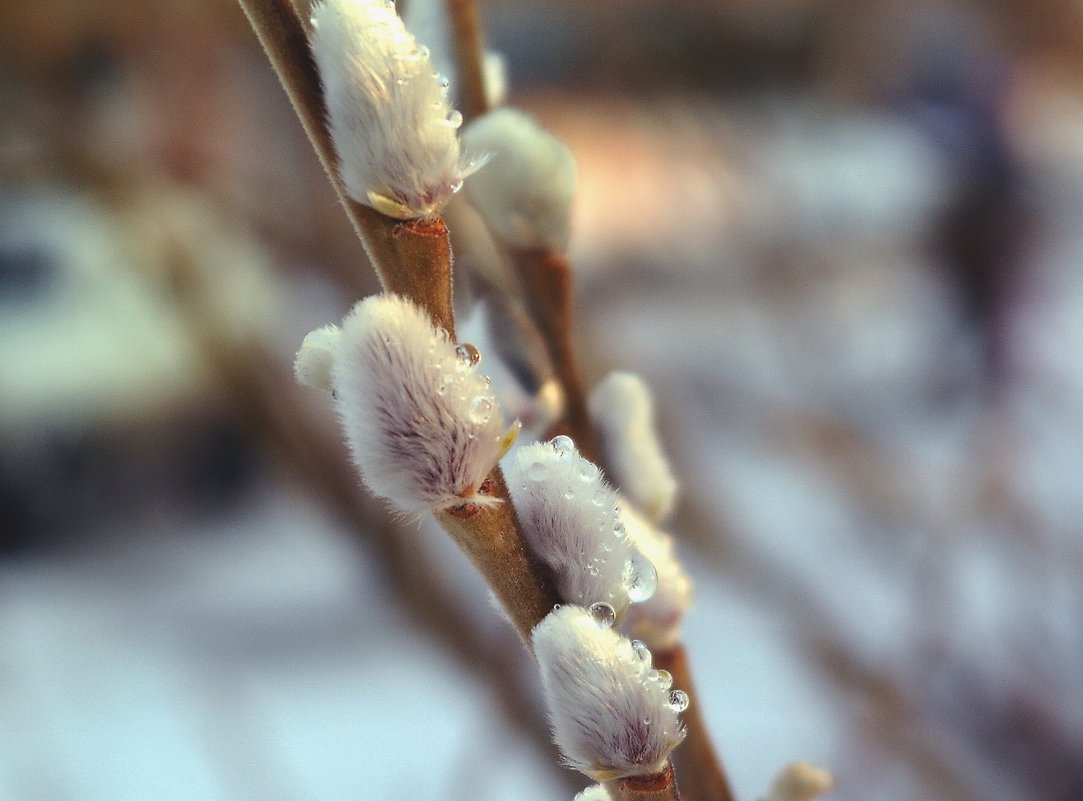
622,410
314,361
525,193
656,621
422,423
800,781
570,518
393,129
613,716
595,792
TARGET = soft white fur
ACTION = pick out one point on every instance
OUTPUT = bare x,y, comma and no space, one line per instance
656,621
595,792
622,410
422,424
610,718
570,518
525,191
394,132
314,361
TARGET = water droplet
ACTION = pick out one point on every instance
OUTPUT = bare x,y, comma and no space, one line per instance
652,675
593,570
640,578
678,700
441,390
481,408
537,471
568,495
598,498
563,445
642,653
603,614
588,474
665,678
467,353
646,721
455,118
619,530
607,546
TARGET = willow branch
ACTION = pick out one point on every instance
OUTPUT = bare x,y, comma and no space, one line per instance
469,47
412,258
549,294
703,777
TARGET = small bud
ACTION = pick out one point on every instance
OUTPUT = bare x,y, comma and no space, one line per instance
314,361
656,621
570,518
800,781
394,132
622,410
595,792
422,423
612,716
525,192
496,78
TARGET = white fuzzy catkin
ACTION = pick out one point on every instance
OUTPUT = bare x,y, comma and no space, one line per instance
800,781
595,792
314,361
657,620
612,715
525,192
570,518
622,410
393,129
422,423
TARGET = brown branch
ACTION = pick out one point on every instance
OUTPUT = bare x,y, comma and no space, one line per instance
703,777
412,258
549,294
469,47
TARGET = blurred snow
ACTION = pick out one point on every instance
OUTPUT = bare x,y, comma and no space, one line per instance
882,523
256,657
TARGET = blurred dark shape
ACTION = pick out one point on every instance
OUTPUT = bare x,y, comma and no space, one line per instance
954,86
1017,728
61,485
25,274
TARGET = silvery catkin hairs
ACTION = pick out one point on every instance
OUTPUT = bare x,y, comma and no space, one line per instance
421,421
613,716
394,132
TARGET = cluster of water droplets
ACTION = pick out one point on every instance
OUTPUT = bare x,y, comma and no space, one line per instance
639,577
653,679
454,376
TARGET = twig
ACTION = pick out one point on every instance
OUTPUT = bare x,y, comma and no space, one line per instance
414,259
469,46
703,777
548,291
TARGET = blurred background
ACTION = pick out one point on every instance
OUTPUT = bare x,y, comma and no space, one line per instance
841,240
